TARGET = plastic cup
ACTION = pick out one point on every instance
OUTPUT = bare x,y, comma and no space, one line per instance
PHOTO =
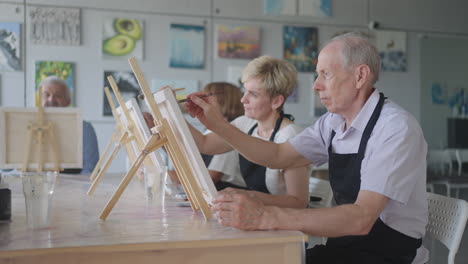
38,190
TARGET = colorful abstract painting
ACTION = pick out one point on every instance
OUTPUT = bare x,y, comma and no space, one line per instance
187,46
55,26
122,38
280,7
10,48
320,8
392,49
301,47
238,42
128,87
64,70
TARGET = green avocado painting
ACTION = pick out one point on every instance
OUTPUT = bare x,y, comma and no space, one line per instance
122,38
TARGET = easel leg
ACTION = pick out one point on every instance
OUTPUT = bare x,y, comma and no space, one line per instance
53,143
106,165
103,156
28,149
153,142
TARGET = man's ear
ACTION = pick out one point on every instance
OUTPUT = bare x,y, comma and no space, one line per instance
277,102
362,75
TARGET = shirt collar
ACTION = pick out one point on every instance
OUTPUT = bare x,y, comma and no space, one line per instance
361,120
337,122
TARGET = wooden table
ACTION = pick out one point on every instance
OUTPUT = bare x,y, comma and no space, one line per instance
135,232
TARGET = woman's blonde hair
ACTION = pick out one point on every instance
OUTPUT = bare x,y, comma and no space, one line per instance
229,98
279,77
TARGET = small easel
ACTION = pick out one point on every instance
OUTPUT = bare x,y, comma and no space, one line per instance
162,136
39,130
120,137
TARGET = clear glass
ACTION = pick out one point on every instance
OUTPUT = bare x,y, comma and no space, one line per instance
154,183
38,190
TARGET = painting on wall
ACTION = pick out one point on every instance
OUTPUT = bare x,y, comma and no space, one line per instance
238,42
190,86
122,38
55,26
320,8
10,48
392,50
280,7
63,70
438,93
187,44
301,47
128,87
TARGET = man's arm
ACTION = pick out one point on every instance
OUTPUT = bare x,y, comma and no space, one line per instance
265,153
210,144
245,213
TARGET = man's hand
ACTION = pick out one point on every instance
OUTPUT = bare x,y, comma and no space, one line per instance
237,208
206,109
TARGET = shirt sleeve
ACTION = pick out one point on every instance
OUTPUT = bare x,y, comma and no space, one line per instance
312,143
90,148
389,166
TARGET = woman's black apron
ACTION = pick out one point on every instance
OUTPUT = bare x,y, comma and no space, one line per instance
254,174
383,244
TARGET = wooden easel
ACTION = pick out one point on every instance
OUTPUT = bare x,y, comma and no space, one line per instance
39,130
120,137
162,136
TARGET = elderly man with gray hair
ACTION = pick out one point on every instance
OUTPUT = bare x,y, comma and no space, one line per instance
55,93
376,153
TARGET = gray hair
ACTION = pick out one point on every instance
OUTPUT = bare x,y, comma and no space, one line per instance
58,81
356,49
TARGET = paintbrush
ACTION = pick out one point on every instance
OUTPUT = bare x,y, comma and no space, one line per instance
142,96
200,96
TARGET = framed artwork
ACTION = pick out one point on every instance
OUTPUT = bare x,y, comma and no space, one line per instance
187,46
238,42
10,46
320,8
55,26
128,87
64,70
280,7
68,129
300,47
392,50
122,38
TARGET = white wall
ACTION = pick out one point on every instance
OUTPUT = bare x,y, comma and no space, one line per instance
404,88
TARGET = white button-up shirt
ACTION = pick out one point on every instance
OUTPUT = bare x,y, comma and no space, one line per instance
394,161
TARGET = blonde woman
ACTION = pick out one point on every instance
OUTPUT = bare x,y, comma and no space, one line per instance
268,82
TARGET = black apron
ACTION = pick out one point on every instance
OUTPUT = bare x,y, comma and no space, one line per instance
254,174
383,244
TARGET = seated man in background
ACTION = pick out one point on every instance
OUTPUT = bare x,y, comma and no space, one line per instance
55,93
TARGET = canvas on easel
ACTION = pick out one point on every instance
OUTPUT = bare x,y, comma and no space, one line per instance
170,110
119,139
172,133
142,131
66,136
